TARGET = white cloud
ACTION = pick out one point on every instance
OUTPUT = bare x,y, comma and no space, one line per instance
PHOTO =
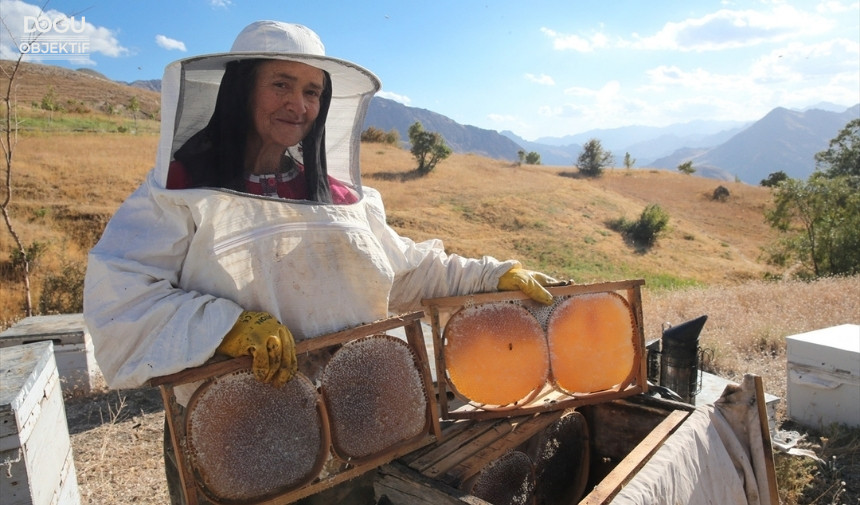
220,3
15,31
405,100
541,79
573,42
726,29
169,44
837,7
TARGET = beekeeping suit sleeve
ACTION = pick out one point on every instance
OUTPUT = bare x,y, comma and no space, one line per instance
424,270
141,324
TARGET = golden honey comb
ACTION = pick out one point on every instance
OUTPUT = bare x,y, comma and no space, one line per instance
496,353
591,342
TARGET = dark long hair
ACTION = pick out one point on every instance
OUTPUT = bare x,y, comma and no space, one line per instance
215,156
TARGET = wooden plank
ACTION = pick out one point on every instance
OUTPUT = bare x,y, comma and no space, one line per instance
415,337
770,467
627,468
449,432
404,486
451,302
222,366
523,431
493,433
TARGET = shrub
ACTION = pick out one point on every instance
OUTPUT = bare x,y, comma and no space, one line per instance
721,194
644,231
651,223
63,293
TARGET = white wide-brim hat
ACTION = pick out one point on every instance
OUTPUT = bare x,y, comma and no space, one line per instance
190,88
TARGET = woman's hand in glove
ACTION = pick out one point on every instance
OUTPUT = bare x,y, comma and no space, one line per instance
267,341
530,283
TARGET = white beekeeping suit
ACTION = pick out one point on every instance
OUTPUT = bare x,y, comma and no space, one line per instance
175,268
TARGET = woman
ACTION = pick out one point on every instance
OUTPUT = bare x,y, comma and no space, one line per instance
253,227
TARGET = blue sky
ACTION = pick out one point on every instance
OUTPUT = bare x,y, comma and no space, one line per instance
544,68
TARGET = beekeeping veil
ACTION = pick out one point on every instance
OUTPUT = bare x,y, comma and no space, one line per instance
190,89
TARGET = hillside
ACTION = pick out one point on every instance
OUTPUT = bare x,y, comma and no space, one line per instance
477,205
76,90
559,224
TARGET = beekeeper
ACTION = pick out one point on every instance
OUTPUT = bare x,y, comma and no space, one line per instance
253,229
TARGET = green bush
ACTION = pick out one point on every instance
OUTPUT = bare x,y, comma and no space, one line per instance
63,293
651,223
645,230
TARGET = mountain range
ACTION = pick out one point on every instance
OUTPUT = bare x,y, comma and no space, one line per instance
783,140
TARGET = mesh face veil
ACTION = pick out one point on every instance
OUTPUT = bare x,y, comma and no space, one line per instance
190,89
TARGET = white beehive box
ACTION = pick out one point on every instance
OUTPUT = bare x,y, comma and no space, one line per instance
35,447
73,347
824,376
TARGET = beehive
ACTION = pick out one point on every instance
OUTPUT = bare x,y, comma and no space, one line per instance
73,347
504,354
34,436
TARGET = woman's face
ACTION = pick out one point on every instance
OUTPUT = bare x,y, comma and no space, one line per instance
285,101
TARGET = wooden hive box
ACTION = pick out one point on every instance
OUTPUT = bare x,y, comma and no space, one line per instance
547,396
341,464
34,435
73,347
615,441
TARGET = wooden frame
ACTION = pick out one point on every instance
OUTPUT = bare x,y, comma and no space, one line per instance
549,398
176,415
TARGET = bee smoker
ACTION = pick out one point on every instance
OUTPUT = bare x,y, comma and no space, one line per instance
674,365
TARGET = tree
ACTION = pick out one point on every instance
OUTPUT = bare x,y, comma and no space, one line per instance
686,168
629,161
842,157
429,148
521,156
533,158
593,159
134,107
50,103
819,225
773,179
819,219
8,141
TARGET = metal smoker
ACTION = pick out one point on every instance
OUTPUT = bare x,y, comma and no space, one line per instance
675,365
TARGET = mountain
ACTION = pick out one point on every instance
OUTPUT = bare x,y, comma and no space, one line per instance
151,84
550,154
783,140
388,115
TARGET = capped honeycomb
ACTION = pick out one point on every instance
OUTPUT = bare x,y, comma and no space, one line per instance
562,461
248,440
508,480
375,396
591,342
496,353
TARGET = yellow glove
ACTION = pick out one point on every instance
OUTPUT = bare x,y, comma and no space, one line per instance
270,343
530,283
